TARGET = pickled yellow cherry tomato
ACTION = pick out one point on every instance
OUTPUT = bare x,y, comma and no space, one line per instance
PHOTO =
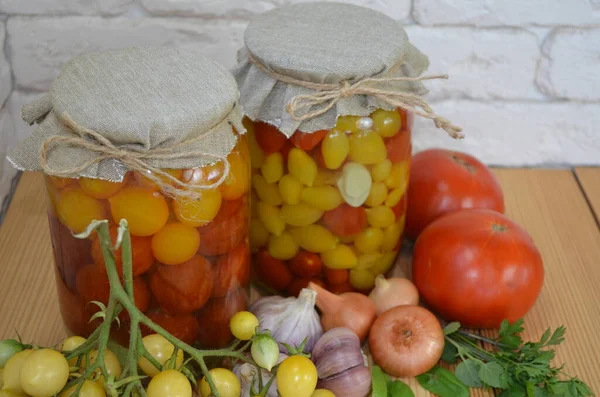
300,214
226,382
237,182
341,257
362,279
327,177
377,194
398,176
169,383
142,181
161,350
259,234
267,192
335,148
314,238
146,211
199,212
387,123
257,156
395,196
348,124
99,188
44,373
366,261
302,166
62,183
367,147
272,168
175,243
384,263
290,189
76,209
369,240
88,389
392,235
381,216
380,171
283,247
12,372
271,218
324,198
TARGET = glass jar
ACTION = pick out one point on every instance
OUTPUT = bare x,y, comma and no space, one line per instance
191,259
329,206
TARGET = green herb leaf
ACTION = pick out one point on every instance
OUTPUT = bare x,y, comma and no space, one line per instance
510,334
442,382
468,373
379,382
539,392
399,389
514,391
451,328
450,353
493,375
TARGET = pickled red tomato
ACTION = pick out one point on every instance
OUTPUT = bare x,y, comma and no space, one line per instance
76,210
285,151
345,220
227,230
306,264
214,319
184,288
399,147
232,271
141,253
307,141
336,276
99,188
273,272
387,123
175,243
269,138
198,212
145,210
183,327
141,180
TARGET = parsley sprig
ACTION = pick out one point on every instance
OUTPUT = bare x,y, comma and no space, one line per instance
520,369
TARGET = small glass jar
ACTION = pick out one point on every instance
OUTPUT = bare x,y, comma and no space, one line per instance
329,206
191,259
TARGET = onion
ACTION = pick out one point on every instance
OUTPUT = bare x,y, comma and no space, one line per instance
406,341
393,292
350,310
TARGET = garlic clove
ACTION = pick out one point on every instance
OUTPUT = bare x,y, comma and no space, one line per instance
336,351
355,382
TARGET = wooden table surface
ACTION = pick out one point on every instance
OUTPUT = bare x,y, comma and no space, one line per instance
559,208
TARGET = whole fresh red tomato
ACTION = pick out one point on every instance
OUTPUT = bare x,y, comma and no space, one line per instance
442,181
477,267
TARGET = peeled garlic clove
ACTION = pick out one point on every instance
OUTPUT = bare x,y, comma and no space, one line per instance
355,382
355,184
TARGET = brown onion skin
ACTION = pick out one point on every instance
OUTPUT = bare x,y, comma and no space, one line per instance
406,341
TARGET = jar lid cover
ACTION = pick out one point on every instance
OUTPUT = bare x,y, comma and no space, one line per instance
144,101
324,43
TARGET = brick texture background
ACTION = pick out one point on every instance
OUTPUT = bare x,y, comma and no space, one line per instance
524,75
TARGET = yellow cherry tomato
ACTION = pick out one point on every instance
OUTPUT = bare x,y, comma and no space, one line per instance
237,182
99,188
76,209
71,343
143,181
145,210
395,196
162,350
362,279
88,389
225,381
198,212
243,325
385,263
272,168
44,373
369,240
62,183
283,247
367,147
322,393
392,234
267,192
270,216
111,362
387,123
175,243
259,234
300,214
335,148
302,166
347,124
169,383
296,377
341,257
314,238
327,177
398,176
380,171
290,189
377,194
381,216
367,261
12,372
324,198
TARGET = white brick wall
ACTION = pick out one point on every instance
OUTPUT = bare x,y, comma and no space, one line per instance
524,80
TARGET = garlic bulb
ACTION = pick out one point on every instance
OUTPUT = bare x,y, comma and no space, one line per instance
290,320
247,374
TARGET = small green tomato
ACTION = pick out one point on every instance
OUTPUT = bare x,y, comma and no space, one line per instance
8,348
265,351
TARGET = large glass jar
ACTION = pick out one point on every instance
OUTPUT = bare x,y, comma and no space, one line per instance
191,259
329,206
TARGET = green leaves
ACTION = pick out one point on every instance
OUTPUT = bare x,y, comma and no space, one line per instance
451,328
383,386
468,372
397,388
442,382
510,334
494,375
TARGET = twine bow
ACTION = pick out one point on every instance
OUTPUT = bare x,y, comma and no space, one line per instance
328,95
134,161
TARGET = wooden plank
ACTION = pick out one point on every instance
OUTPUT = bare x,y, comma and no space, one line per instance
29,304
589,179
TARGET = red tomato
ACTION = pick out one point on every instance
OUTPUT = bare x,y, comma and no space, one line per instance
214,319
285,151
345,220
399,146
232,271
183,327
406,118
306,141
272,272
306,264
477,267
296,286
336,276
183,288
141,254
269,138
443,181
227,230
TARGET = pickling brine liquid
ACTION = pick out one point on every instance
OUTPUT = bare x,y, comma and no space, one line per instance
329,206
191,259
